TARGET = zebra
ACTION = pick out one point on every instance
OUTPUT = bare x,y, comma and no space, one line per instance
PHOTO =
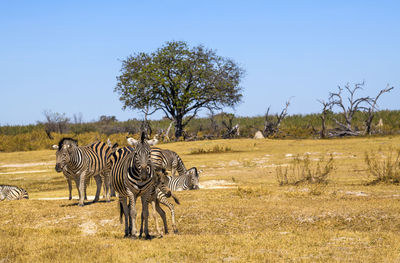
188,181
84,162
70,176
162,193
170,160
9,192
133,175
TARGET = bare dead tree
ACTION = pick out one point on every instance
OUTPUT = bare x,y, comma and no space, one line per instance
55,122
231,130
78,118
326,107
272,123
354,104
165,135
372,109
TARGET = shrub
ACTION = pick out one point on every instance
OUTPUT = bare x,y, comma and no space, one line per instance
303,170
215,149
384,167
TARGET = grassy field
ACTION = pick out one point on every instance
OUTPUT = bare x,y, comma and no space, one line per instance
252,220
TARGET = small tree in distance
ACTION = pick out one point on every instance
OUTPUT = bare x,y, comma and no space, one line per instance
179,81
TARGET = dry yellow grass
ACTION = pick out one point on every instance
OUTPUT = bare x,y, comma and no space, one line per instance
256,220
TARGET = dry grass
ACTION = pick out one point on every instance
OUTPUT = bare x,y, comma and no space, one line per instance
303,170
384,166
258,220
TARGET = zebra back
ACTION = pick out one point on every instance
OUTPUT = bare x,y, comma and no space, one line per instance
10,192
117,162
168,160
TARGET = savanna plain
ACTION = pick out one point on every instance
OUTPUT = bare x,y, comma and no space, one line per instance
240,214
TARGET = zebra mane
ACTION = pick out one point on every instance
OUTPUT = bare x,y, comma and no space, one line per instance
63,140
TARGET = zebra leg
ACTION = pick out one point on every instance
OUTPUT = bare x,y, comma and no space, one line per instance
133,214
153,213
107,186
69,188
141,225
156,206
125,210
171,207
81,188
98,184
77,187
145,211
87,181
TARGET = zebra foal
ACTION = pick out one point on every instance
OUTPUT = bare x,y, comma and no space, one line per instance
170,160
9,192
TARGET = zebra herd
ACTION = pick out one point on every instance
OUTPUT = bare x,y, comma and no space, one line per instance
133,171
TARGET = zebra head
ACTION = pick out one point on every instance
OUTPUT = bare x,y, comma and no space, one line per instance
143,165
65,147
193,175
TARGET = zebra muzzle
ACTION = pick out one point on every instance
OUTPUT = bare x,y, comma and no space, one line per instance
58,168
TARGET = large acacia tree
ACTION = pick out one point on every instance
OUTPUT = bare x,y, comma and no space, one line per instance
179,81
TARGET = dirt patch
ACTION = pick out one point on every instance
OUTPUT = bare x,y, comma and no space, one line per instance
88,228
19,165
26,172
90,197
216,184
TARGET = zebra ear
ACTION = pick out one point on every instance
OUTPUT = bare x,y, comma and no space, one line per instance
131,141
55,147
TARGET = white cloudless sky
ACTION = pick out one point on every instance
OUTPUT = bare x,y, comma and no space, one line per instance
64,56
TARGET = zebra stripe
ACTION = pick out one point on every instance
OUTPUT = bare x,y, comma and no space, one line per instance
9,192
168,160
187,181
84,162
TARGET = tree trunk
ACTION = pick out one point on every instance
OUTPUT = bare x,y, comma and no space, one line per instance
178,127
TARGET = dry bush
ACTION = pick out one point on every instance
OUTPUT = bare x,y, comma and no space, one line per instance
215,149
303,170
384,167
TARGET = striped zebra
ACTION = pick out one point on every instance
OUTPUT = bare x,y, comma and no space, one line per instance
188,181
84,162
69,176
133,175
170,160
9,192
162,193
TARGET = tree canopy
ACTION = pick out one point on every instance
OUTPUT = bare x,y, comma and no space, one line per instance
179,81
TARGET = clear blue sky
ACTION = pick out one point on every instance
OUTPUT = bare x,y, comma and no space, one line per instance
64,56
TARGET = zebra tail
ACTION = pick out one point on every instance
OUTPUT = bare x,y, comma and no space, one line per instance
176,199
